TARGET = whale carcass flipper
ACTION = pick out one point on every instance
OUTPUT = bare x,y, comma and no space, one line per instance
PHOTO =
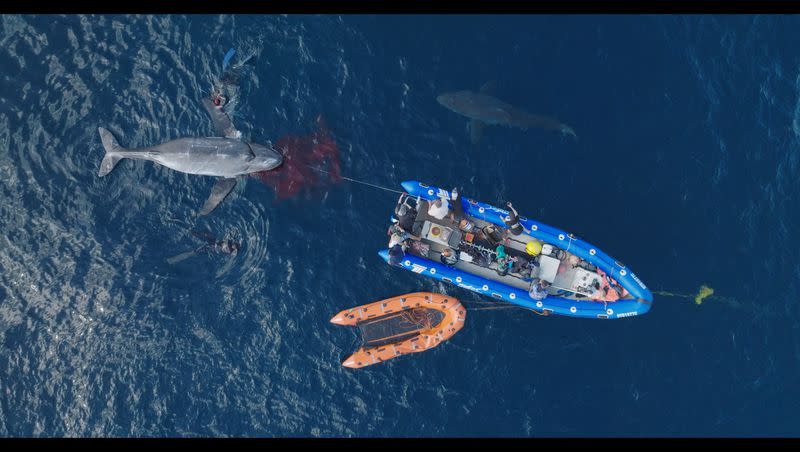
218,193
223,126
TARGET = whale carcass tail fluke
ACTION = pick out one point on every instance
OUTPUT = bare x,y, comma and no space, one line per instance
112,148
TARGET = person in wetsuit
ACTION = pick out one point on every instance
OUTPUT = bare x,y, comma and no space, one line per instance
225,246
218,99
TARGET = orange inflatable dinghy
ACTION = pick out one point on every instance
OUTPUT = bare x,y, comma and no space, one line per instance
401,325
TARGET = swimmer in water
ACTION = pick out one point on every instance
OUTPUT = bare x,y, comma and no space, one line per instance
218,99
225,246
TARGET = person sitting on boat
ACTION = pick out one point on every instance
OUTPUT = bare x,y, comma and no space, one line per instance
493,234
418,248
501,252
398,235
519,265
479,257
439,209
608,289
397,239
512,221
449,257
531,266
538,289
503,260
396,254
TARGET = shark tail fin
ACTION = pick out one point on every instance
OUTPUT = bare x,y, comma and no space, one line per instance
476,131
112,148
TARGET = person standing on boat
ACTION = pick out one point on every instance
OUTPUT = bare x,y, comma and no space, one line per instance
439,209
396,254
405,217
398,235
512,221
458,209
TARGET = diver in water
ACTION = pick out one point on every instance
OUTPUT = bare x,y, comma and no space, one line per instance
221,101
224,246
225,88
218,99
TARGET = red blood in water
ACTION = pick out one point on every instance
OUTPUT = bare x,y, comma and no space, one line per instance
301,155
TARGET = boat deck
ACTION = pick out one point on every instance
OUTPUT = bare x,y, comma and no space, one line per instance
516,246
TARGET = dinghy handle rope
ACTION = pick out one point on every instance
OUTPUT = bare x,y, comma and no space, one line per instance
498,305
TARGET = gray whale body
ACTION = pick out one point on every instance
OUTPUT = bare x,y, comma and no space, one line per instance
211,156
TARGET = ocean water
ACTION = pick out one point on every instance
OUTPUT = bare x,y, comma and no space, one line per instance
686,169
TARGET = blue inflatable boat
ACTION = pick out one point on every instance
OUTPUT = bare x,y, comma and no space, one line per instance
502,255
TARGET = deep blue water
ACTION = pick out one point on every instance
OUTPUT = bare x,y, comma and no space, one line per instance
686,169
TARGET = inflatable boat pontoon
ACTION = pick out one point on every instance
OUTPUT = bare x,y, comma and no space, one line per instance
583,281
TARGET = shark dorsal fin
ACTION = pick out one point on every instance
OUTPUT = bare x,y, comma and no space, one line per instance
489,88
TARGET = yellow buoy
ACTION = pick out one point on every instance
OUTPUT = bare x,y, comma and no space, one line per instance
704,293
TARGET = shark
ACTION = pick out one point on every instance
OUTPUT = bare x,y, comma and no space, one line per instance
484,109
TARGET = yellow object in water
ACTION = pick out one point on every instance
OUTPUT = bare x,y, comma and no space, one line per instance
704,293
